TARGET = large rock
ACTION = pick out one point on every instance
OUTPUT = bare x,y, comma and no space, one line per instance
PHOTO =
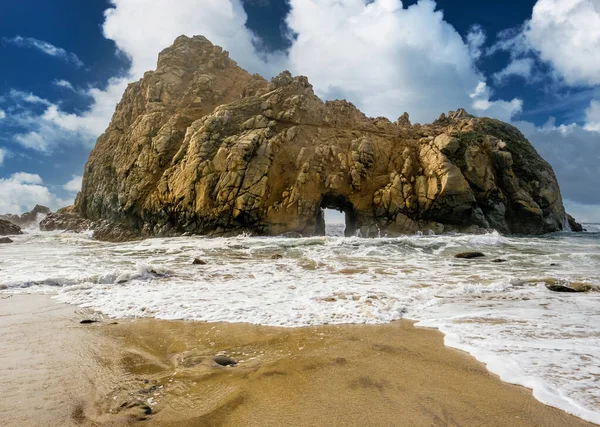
9,229
28,219
66,219
201,146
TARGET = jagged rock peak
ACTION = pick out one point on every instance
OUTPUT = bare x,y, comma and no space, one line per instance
202,146
191,52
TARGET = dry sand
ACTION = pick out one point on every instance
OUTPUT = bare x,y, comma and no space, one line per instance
56,372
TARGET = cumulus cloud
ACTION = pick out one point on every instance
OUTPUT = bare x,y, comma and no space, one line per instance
22,191
522,67
592,117
564,34
46,48
74,185
141,32
3,155
476,40
2,114
502,110
387,59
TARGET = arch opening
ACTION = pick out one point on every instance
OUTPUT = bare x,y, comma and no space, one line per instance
340,204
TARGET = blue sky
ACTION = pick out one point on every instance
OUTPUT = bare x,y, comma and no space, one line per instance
533,63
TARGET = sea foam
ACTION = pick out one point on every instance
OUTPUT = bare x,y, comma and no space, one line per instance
500,312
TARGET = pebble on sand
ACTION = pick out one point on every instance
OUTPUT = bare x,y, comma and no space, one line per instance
224,361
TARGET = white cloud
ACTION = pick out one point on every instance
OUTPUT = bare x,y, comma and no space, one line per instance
27,97
46,48
22,191
387,59
3,155
502,110
564,34
51,128
592,116
141,29
2,114
33,140
27,178
74,185
522,67
476,40
64,84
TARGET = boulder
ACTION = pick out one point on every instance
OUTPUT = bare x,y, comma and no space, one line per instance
28,219
560,286
201,146
9,229
470,255
4,240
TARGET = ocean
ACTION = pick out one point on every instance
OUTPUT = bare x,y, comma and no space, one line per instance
500,312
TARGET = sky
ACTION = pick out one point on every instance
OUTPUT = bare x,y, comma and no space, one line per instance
535,64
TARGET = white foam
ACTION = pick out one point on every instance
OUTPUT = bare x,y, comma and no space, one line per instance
499,312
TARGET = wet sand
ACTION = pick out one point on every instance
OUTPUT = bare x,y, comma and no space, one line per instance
56,372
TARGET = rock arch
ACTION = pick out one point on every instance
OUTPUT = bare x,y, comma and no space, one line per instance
201,146
339,203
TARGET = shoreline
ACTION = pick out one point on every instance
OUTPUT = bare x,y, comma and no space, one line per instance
118,373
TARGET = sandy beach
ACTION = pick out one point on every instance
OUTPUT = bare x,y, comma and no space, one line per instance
55,371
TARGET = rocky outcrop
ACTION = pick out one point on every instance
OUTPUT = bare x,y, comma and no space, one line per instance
66,219
201,146
28,219
574,225
9,229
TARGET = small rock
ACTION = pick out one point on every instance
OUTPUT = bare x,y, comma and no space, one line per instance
198,261
5,240
88,321
499,260
277,256
469,255
554,265
573,287
224,361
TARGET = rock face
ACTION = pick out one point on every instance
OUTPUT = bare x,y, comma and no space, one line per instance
28,219
201,146
9,229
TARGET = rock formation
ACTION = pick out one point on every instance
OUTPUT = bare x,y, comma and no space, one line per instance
28,219
9,229
202,146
